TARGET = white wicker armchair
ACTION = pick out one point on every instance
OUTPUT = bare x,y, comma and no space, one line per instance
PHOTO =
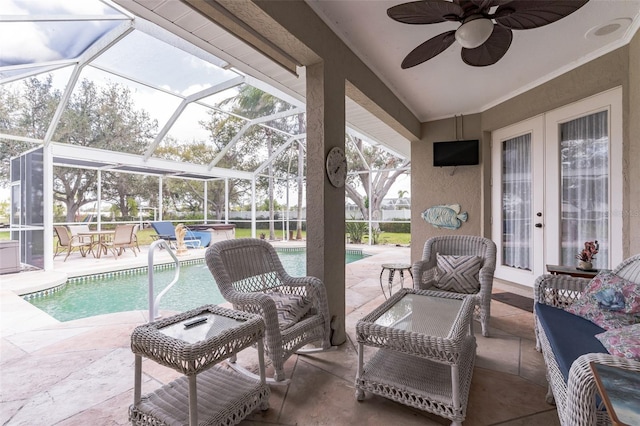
461,245
247,270
575,399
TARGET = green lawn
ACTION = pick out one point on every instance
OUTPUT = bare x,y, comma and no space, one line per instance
144,236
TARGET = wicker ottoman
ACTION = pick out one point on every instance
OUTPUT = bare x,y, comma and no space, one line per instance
427,351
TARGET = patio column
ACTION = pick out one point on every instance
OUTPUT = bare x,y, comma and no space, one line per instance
325,204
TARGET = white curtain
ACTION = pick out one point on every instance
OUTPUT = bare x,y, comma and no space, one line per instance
516,202
584,153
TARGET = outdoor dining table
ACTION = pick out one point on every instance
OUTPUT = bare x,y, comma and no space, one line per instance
99,240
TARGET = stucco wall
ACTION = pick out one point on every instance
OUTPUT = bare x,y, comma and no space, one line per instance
603,73
436,185
618,68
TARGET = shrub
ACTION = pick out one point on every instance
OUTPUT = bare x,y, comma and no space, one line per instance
356,230
400,227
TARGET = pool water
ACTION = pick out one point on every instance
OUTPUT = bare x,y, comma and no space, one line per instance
129,292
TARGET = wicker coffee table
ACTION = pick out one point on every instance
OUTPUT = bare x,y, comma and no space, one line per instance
426,351
226,395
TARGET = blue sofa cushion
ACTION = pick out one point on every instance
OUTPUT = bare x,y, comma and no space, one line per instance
569,335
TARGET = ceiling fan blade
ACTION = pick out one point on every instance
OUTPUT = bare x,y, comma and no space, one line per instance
425,12
429,49
485,4
527,14
491,51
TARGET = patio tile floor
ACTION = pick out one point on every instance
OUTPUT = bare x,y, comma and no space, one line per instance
81,372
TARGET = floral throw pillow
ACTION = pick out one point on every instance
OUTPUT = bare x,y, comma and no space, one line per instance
458,273
609,301
624,342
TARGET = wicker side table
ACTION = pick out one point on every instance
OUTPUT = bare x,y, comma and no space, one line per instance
426,351
194,351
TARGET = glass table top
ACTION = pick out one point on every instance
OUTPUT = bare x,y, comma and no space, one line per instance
212,327
429,315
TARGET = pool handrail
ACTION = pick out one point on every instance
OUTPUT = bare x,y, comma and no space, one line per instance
154,302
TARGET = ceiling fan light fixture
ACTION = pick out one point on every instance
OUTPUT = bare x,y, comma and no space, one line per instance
473,32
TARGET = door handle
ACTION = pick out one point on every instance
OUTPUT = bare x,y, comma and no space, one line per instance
538,225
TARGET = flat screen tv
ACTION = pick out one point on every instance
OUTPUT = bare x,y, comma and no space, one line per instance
456,153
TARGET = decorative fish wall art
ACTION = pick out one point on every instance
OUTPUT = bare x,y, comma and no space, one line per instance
445,216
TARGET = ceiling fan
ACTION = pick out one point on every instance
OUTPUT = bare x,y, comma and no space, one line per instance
485,33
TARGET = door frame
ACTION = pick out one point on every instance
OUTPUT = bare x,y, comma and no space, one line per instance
535,127
545,137
610,101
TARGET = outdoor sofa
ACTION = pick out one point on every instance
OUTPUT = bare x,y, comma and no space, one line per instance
569,342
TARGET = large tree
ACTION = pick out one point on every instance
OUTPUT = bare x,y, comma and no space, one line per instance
25,110
187,195
253,103
386,169
100,117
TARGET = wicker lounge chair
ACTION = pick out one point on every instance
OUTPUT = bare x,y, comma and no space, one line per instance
250,275
424,271
67,242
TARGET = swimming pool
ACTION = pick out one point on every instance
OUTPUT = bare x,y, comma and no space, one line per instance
127,290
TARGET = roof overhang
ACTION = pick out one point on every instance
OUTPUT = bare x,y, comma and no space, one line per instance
99,159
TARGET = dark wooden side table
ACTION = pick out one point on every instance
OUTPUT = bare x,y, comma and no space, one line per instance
572,271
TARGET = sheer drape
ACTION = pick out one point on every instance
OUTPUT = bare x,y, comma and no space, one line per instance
584,153
516,202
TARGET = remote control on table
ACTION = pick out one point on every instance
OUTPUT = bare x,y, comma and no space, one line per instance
194,322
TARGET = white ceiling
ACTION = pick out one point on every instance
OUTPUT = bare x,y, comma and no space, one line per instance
445,86
441,87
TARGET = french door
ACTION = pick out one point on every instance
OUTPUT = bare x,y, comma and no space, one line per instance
556,183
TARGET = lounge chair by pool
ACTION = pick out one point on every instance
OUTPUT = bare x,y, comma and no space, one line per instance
192,239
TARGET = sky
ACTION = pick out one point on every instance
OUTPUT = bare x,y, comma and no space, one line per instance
29,42
159,63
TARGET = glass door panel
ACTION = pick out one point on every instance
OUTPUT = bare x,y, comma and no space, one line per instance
584,180
516,202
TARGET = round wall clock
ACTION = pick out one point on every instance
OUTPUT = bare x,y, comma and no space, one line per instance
337,167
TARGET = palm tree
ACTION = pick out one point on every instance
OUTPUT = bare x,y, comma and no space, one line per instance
252,102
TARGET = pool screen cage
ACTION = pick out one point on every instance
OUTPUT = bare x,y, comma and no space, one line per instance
188,98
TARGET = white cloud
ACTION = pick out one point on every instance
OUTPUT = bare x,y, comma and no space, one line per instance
24,40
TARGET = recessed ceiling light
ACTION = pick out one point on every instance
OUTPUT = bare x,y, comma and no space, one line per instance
616,26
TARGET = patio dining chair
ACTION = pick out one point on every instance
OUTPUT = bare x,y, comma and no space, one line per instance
81,228
459,264
295,310
123,238
136,228
67,242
